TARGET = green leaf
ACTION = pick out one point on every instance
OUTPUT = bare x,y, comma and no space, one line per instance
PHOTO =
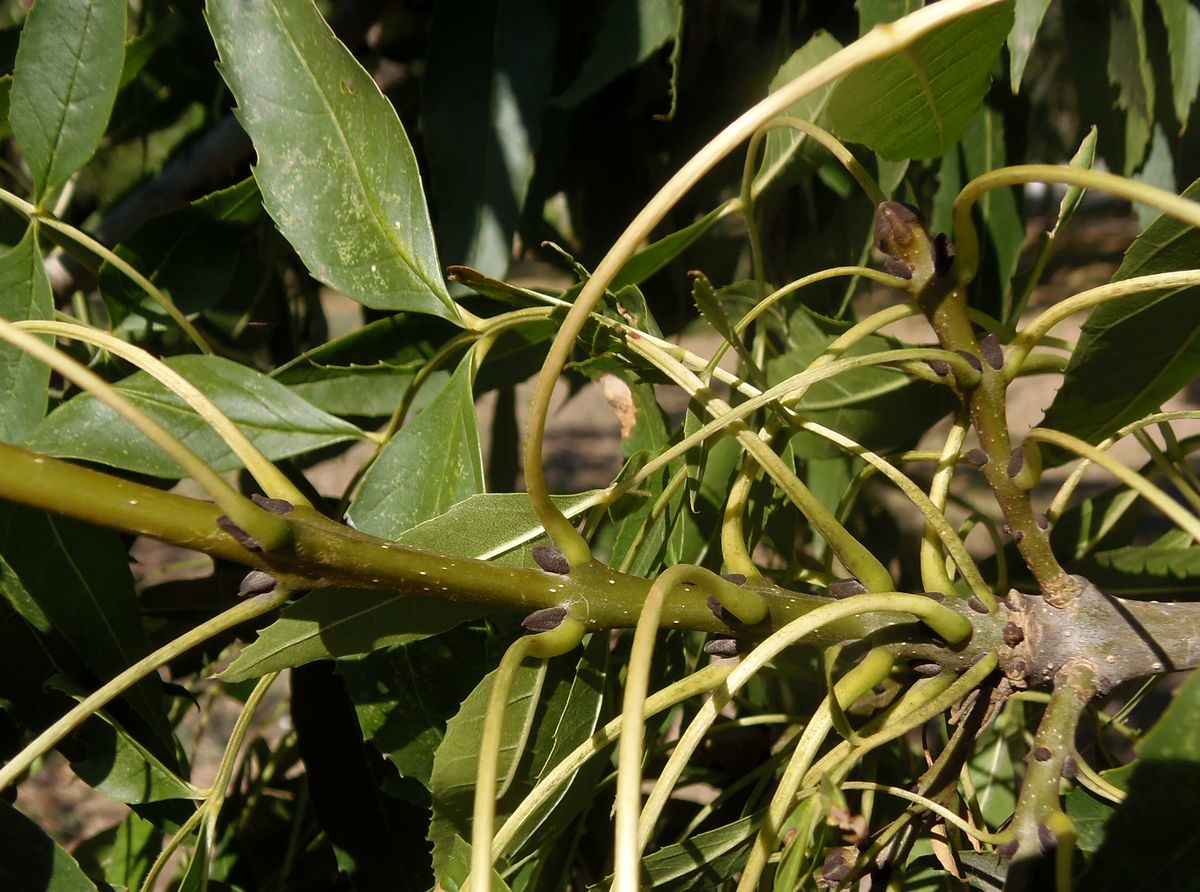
487,83
405,695
700,862
1178,562
338,622
335,167
570,716
277,421
630,32
31,860
783,144
457,865
916,103
432,463
24,294
1183,40
64,83
654,257
1135,353
497,526
454,764
872,12
72,582
878,407
1084,158
1028,19
1151,841
116,765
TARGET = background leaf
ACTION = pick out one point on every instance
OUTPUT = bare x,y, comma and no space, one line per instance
487,83
630,31
916,103
24,294
1135,353
277,421
1027,20
30,860
1151,840
1182,20
335,167
64,83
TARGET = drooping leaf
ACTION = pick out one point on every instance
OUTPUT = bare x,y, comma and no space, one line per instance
1151,840
872,12
630,32
486,86
454,764
1182,19
72,582
335,167
376,837
783,144
364,373
1028,19
1129,68
31,860
336,622
277,421
64,83
1083,158
432,463
24,294
916,103
1135,353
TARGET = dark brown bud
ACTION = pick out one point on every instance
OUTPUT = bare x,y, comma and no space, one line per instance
837,866
1015,462
1016,535
721,647
551,559
1042,521
544,620
940,368
735,578
897,268
275,506
972,360
1013,634
1042,753
256,582
1007,850
1070,768
975,604
992,351
943,254
926,670
937,596
846,588
717,610
894,227
978,458
243,538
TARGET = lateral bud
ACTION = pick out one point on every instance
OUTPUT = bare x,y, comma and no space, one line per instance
721,647
551,559
256,582
846,588
943,254
275,506
544,620
992,352
1025,465
978,458
244,539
